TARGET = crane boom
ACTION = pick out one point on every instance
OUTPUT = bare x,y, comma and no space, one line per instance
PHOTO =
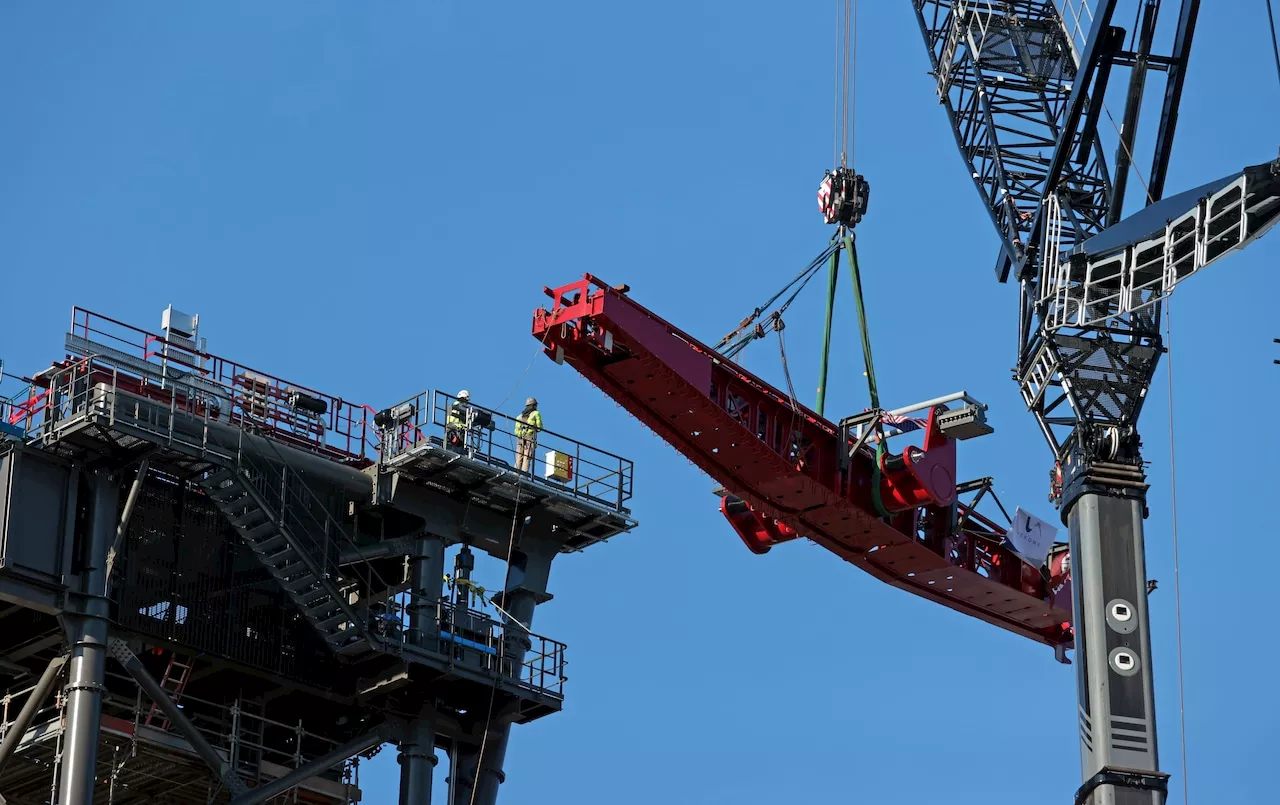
790,472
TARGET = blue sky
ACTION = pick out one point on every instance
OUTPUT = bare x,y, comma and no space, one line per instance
369,197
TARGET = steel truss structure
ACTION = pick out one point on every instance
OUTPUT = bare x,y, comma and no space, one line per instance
265,563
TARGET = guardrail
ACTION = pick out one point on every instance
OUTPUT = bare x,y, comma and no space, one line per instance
569,465
291,412
476,640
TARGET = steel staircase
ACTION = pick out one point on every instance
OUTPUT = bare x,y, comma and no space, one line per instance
295,538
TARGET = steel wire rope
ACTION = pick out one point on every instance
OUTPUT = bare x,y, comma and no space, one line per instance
1275,44
727,343
493,690
1177,576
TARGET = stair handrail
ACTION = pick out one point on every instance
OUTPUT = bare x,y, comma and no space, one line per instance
331,569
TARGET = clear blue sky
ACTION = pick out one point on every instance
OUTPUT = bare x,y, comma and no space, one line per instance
369,197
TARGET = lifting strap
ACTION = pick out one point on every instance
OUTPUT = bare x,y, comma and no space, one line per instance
870,372
862,320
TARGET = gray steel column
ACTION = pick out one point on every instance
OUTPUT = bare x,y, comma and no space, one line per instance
1114,691
526,587
427,580
417,761
88,627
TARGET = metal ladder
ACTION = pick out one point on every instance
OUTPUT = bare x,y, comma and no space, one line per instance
282,523
176,676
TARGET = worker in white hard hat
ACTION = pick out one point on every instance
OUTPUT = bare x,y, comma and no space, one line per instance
527,426
458,422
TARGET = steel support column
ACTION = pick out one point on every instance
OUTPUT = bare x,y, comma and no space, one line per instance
526,587
428,574
418,761
1115,692
87,629
38,694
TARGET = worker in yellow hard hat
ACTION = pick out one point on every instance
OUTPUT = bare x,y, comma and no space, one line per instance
527,426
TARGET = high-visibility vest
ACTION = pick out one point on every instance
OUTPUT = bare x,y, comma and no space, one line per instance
528,424
457,417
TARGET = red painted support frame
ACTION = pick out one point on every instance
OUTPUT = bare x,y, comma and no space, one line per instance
783,461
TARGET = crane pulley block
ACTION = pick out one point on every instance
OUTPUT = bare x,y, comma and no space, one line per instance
843,197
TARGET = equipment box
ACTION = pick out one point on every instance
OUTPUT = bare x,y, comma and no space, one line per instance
559,467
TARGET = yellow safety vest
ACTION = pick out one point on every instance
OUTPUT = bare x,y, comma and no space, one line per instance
457,417
527,425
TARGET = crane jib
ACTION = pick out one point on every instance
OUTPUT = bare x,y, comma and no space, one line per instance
788,471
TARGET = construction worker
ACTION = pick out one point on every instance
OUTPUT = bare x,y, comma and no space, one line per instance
527,426
458,422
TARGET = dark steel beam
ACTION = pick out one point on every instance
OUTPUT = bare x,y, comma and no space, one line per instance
38,694
310,769
121,651
1132,108
1173,96
1100,42
130,503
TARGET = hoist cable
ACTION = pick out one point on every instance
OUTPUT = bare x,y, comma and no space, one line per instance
836,95
1177,577
1275,45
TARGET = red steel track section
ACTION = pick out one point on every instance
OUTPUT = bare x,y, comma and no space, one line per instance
784,463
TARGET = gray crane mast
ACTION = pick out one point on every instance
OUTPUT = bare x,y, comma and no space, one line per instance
1024,84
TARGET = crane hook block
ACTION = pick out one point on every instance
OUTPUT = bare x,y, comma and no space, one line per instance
920,476
758,531
842,197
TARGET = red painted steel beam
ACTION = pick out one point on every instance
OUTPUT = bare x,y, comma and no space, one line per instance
783,461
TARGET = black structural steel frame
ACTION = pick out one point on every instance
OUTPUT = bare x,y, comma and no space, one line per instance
1024,88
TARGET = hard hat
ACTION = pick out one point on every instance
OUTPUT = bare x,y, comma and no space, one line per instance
464,395
531,401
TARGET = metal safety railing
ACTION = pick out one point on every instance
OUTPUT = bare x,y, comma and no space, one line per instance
291,412
568,465
246,738
474,639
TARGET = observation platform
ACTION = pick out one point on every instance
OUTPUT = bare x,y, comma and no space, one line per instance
584,489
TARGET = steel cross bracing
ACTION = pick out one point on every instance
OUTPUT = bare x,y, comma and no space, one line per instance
1023,83
1005,74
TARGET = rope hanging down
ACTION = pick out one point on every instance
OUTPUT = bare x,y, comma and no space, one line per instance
1275,44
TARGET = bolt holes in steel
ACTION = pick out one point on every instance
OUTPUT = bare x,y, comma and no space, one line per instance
1121,616
1124,662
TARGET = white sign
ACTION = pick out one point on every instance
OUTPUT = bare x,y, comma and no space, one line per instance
1030,537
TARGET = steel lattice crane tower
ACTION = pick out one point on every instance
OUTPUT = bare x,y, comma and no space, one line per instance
1024,84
